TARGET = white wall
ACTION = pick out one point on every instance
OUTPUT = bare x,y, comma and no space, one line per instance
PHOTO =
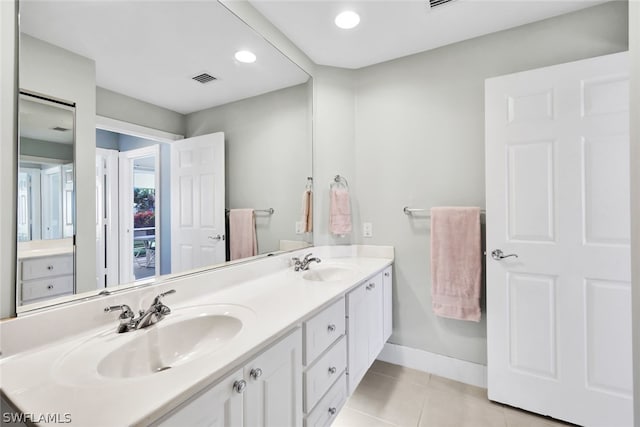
333,147
121,107
267,157
51,71
419,141
634,48
8,163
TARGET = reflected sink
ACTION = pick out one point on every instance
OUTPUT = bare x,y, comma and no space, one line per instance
327,274
161,347
184,335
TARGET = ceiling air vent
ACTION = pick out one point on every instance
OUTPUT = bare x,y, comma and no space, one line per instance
434,3
60,129
204,78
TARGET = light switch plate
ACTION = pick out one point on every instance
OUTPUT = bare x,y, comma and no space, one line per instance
367,229
299,227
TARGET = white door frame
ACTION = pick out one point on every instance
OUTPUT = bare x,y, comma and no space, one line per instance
126,213
132,129
107,213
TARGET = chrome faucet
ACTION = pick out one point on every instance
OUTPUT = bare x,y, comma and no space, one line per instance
155,313
303,265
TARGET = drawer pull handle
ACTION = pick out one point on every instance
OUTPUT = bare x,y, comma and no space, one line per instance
371,286
49,267
239,386
331,327
333,411
50,287
332,370
255,373
386,274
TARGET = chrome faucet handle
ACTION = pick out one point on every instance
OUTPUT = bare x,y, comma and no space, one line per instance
156,300
306,257
127,313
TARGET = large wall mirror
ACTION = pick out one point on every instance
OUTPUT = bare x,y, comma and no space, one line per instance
175,149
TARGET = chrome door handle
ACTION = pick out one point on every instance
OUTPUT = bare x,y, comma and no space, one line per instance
218,237
499,255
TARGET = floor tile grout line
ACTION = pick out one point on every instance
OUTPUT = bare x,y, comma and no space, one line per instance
373,416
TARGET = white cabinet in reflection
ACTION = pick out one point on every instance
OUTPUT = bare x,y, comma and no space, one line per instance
44,277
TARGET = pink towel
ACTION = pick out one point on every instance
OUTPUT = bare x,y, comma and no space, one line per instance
456,263
339,211
242,233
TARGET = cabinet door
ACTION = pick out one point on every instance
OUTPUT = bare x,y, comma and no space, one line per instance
387,291
218,406
273,397
375,308
357,335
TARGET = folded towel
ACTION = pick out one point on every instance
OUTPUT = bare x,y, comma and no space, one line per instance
456,263
307,211
339,211
242,233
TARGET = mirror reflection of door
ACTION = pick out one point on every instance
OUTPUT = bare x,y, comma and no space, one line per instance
139,212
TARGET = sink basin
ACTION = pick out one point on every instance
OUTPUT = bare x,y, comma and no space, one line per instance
161,347
328,274
183,336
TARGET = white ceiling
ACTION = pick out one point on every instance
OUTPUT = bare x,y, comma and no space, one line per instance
149,50
391,29
38,120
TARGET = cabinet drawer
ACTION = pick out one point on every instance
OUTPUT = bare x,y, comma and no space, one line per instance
319,377
35,268
322,330
46,288
327,410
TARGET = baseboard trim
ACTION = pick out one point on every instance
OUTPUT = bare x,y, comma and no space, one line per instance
443,366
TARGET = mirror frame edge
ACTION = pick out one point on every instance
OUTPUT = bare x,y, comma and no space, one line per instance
8,165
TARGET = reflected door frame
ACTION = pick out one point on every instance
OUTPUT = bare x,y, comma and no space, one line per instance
126,182
107,212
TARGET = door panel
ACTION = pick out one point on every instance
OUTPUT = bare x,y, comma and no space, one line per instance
557,177
198,216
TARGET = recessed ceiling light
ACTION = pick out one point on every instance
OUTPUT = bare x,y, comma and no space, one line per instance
245,56
347,20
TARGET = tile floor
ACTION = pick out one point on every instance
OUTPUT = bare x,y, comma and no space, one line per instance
391,395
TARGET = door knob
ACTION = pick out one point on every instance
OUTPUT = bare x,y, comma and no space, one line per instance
499,255
218,237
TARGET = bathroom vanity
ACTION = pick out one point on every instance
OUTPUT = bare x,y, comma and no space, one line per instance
251,344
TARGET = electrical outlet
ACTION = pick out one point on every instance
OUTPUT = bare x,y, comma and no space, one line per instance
299,227
367,229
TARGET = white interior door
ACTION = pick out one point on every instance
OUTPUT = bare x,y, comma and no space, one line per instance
557,177
197,202
52,203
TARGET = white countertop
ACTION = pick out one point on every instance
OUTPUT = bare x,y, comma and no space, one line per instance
35,383
42,248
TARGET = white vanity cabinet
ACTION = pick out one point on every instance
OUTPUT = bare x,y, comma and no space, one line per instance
220,405
273,397
267,392
325,360
368,324
45,277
